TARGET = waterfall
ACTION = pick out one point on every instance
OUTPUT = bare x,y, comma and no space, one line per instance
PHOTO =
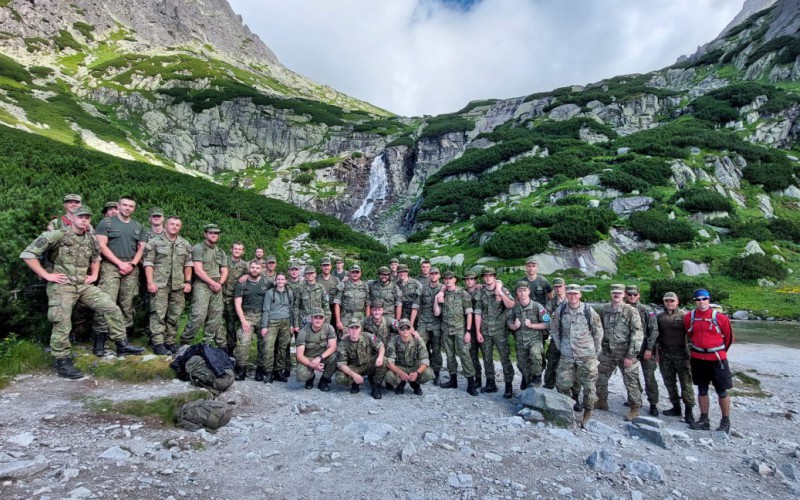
378,188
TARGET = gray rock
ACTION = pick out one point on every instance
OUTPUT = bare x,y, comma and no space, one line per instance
555,407
566,490
623,151
596,427
603,461
148,357
116,453
23,439
762,468
703,233
741,315
727,173
694,268
653,422
515,422
765,282
626,206
494,457
69,473
789,471
430,437
791,192
22,468
565,112
765,205
80,492
531,415
407,452
646,471
658,437
461,481
369,432
751,248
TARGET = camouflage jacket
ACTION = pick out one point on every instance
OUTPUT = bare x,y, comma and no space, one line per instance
168,260
535,312
457,304
383,330
649,326
622,328
306,298
389,294
408,355
491,311
427,320
361,352
352,297
295,286
69,252
236,269
315,343
553,303
410,292
572,335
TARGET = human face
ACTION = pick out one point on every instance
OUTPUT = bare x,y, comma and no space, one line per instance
259,253
405,333
425,268
671,304
531,268
489,280
71,206
326,269
173,227
393,266
280,281
616,298
112,212
702,303
237,251
523,294
450,283
340,266
156,220
434,278
633,297
384,278
212,237
559,289
126,207
354,332
312,276
271,266
316,321
255,270
471,282
355,275
81,223
376,312
294,273
574,298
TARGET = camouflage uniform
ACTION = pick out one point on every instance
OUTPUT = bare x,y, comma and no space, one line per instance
207,306
168,260
650,327
352,300
530,345
552,354
294,286
277,318
144,294
306,299
579,345
389,294
474,346
360,356
495,333
236,269
410,292
383,330
622,339
316,343
674,357
252,295
71,254
430,326
457,304
408,356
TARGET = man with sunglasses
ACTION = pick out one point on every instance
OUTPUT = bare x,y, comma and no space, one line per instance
647,355
360,354
710,336
407,360
673,356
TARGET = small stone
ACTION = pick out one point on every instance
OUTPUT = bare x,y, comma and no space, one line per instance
80,492
494,457
322,470
515,422
148,357
650,422
67,474
407,452
22,468
430,437
24,439
789,471
116,453
166,472
462,481
762,468
646,471
603,461
600,428
565,491
637,495
49,416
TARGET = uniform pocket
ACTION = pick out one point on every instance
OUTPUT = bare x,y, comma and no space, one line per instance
55,313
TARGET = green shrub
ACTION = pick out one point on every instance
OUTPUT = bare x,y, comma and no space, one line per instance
446,124
684,288
303,179
703,200
13,70
785,229
752,230
622,181
419,236
356,154
41,71
64,40
748,23
713,110
654,171
773,176
659,228
85,29
576,233
512,242
617,89
773,45
580,200
403,140
755,266
319,164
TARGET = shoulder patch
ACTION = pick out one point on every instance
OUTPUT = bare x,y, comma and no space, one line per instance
652,313
546,318
40,242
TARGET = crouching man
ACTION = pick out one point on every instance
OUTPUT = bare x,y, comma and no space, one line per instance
360,354
407,360
316,351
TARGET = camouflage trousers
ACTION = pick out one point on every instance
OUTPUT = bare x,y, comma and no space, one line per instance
454,346
244,339
166,307
304,373
675,366
425,376
121,289
374,374
583,371
551,365
276,346
650,382
610,359
206,312
61,299
231,319
529,355
433,342
497,341
474,352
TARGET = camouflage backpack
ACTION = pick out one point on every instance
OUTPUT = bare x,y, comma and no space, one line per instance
204,413
200,374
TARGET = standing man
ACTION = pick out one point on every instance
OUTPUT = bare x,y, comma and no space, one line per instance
259,256
277,326
350,300
410,290
710,336
156,228
430,325
454,306
72,250
528,320
340,273
325,278
237,272
394,263
552,355
491,305
316,352
168,271
210,272
294,281
121,241
387,291
424,272
539,286
248,299
622,341
110,209
71,203
309,296
270,273
674,357
475,338
577,333
156,223
360,354
407,360
647,356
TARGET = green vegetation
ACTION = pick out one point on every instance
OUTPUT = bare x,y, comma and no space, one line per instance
684,288
35,43
164,408
65,40
446,124
720,106
319,164
755,266
622,181
618,89
697,199
403,140
128,369
510,242
20,356
748,23
85,29
41,71
659,228
303,179
13,70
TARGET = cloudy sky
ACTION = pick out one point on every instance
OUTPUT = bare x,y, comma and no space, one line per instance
415,57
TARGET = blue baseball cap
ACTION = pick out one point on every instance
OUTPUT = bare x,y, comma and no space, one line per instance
701,292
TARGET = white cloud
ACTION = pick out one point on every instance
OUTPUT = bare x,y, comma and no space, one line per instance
417,57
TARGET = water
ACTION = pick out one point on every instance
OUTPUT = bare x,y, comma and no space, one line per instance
378,188
782,333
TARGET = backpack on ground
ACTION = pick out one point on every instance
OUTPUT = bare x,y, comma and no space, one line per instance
204,414
201,375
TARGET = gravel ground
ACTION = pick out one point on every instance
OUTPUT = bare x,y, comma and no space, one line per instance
287,442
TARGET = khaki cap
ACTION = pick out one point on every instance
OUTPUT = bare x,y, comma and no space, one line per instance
353,322
73,197
270,258
671,295
488,270
83,211
573,288
212,228
309,269
156,211
632,289
324,260
317,311
355,267
402,268
617,287
403,322
394,260
521,284
449,274
531,260
384,270
471,275
559,281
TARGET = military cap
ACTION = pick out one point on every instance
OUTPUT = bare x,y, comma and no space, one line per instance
355,267
317,311
353,322
521,284
110,204
670,295
617,288
559,281
324,260
339,259
531,260
309,269
632,289
83,211
449,274
73,197
212,228
402,268
488,270
294,266
403,322
270,258
156,211
394,260
701,292
425,261
573,288
384,270
376,303
435,270
470,274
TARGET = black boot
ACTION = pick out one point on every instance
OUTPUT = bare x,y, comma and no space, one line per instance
702,424
417,388
537,381
389,386
725,425
400,388
471,386
128,333
688,417
354,388
125,348
161,350
577,406
66,370
491,386
435,377
324,384
309,382
260,374
452,383
653,410
269,377
478,381
239,373
508,393
675,411
172,348
99,344
285,375
376,391
523,384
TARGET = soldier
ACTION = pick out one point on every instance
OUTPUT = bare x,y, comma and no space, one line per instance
424,272
350,300
410,290
168,266
238,270
385,290
316,352
552,354
248,300
277,325
528,320
110,209
72,250
394,263
491,304
294,281
121,241
430,325
540,288
622,340
270,273
340,273
259,256
472,287
360,354
577,332
710,336
308,297
328,281
210,272
407,360
647,357
674,357
156,217
454,306
377,324
71,203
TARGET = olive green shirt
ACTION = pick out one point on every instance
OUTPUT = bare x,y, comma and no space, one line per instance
123,237
407,355
316,343
213,259
70,253
168,260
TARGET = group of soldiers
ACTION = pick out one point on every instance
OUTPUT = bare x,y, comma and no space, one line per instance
391,330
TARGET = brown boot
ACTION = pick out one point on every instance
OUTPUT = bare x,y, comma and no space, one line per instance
601,404
632,414
587,414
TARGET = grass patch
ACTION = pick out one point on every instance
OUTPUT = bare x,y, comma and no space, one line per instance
163,408
747,386
129,369
20,356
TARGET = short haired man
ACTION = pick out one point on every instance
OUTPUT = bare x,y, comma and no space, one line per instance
424,272
540,287
350,300
529,321
552,355
674,358
248,299
316,351
407,360
454,306
110,209
491,305
648,353
360,354
430,325
238,270
385,290
71,203
410,290
340,272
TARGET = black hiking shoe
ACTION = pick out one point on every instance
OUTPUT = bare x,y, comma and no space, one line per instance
508,393
123,347
702,424
324,384
725,425
65,369
490,386
400,389
417,388
309,382
675,411
653,410
354,389
160,350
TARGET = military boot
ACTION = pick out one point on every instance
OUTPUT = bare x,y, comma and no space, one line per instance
324,384
309,382
435,377
537,381
577,406
400,389
601,404
389,386
688,417
478,381
260,374
129,332
702,424
653,410
280,376
239,373
508,393
632,414
99,344
725,425
284,375
471,386
452,383
160,350
270,376
587,414
417,388
523,384
66,370
675,411
491,386
354,388
376,391
124,347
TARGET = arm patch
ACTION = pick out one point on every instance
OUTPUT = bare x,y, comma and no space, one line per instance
40,242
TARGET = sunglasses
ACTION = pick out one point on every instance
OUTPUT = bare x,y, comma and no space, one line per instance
632,294
435,273
669,300
404,328
701,299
